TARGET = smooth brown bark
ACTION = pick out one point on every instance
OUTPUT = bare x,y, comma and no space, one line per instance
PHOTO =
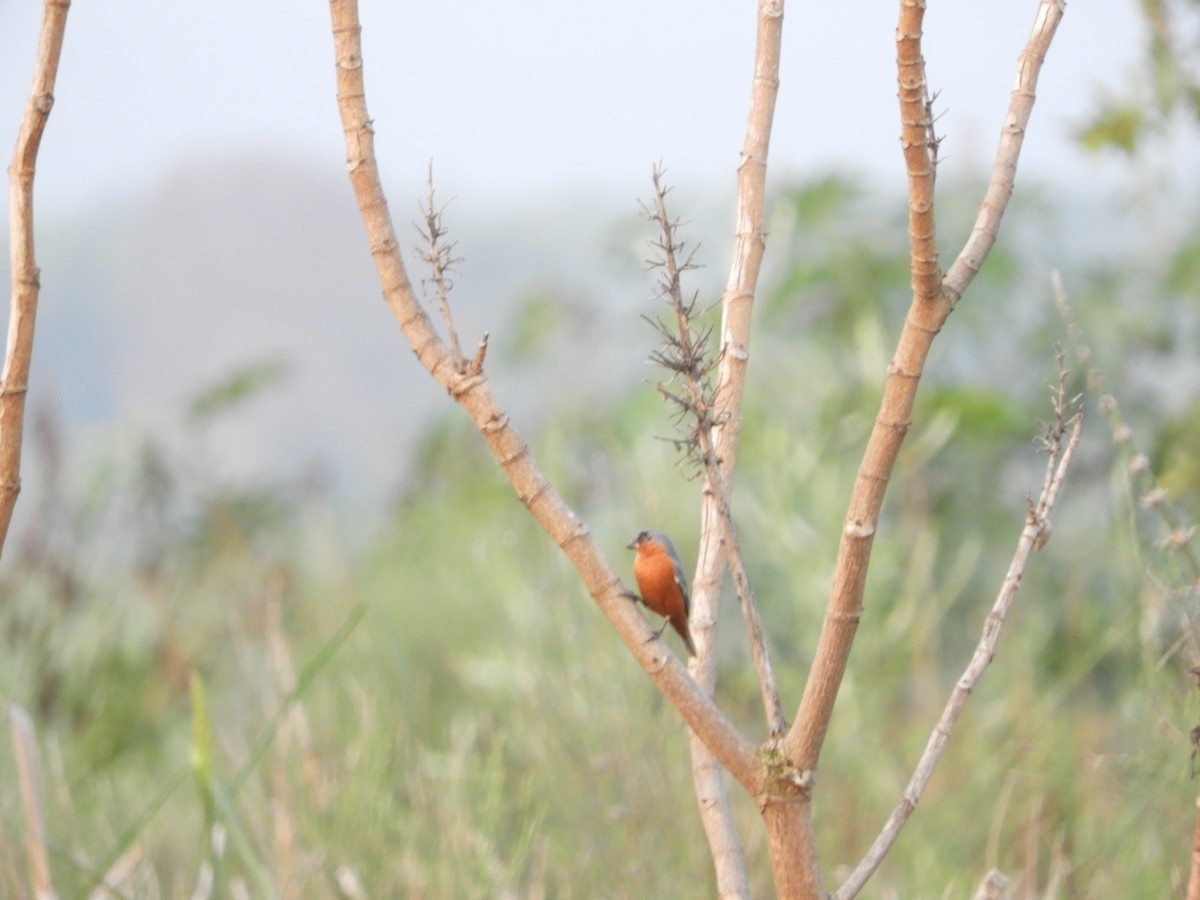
14,381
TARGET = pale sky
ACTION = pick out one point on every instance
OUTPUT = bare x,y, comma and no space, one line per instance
526,98
523,103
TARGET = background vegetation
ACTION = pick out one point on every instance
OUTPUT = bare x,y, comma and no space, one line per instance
436,711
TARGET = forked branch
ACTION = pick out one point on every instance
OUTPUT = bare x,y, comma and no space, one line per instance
933,299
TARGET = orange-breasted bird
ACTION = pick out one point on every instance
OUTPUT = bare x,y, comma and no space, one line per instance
661,580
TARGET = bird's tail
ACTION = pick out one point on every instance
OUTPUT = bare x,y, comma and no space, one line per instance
681,626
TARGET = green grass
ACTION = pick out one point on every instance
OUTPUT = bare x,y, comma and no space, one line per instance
472,727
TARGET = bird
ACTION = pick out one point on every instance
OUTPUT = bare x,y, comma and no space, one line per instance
661,580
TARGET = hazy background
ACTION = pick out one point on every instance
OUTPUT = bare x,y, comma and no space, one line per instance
236,476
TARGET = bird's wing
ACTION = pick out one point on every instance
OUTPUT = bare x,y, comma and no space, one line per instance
681,580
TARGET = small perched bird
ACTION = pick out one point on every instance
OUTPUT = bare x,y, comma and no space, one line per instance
661,580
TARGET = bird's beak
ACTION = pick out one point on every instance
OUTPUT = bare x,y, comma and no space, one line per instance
632,545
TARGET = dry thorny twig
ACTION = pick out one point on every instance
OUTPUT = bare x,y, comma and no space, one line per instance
687,349
439,256
687,354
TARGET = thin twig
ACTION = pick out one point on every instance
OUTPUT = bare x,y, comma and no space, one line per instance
768,687
1059,441
686,355
442,263
14,380
686,350
476,365
933,140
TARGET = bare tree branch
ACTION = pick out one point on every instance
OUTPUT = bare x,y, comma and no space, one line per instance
737,304
14,381
933,299
471,390
1012,136
1059,441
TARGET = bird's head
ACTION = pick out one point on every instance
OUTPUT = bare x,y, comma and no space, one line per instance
648,539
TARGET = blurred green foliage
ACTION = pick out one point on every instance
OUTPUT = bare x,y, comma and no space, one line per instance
1115,125
480,732
1163,90
236,388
